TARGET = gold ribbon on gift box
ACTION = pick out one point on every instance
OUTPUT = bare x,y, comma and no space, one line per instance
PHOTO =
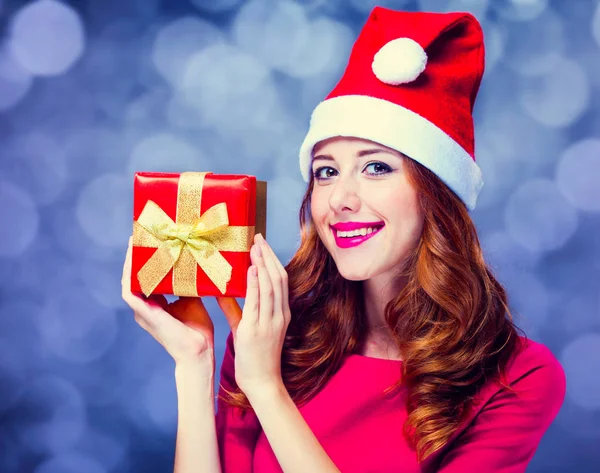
191,240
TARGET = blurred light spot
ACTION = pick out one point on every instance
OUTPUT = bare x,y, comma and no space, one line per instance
512,147
519,10
476,7
183,114
235,95
15,81
37,163
71,463
145,358
578,173
105,212
38,267
17,330
111,79
69,236
286,154
503,253
160,399
495,40
164,152
109,449
521,146
538,217
559,97
596,24
365,6
101,280
326,50
496,183
534,47
219,74
283,204
20,220
529,300
73,333
177,41
47,37
53,415
579,314
578,423
93,150
580,358
215,6
282,37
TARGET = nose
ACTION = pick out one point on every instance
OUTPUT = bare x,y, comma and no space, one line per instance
344,196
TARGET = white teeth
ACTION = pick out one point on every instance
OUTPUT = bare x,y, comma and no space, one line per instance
357,232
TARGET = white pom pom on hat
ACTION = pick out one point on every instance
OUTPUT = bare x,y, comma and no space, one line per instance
399,61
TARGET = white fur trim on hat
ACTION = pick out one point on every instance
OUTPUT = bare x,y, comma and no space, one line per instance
398,128
399,61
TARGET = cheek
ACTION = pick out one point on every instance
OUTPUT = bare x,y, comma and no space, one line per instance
409,219
318,207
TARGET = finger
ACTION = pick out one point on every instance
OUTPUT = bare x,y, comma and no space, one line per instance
274,276
150,312
265,288
133,300
157,300
126,276
141,322
146,309
282,275
251,303
232,311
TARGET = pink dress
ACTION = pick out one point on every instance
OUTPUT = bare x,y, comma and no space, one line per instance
361,430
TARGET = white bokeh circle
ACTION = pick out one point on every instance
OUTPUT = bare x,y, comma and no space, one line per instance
580,359
47,37
578,174
538,216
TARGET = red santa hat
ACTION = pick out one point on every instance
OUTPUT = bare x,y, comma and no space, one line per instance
410,84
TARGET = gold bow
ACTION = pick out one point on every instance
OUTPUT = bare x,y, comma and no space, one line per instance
188,241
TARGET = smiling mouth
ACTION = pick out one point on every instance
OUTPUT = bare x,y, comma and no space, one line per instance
349,242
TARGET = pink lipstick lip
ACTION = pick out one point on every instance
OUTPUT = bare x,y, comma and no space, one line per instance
349,226
345,242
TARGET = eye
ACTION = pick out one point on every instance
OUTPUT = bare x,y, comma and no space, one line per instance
383,168
379,168
317,172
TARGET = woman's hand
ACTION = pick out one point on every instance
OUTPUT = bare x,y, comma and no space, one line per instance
183,327
258,337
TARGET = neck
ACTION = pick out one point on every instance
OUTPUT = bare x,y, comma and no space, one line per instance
377,294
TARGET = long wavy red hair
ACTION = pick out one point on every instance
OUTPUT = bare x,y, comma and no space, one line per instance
451,321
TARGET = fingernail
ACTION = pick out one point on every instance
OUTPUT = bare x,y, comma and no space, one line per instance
253,271
257,249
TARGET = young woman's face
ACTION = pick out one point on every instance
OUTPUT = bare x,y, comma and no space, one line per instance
357,180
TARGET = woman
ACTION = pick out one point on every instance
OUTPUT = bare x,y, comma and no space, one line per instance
386,343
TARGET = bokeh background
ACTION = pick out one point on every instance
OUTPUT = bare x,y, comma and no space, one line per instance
91,91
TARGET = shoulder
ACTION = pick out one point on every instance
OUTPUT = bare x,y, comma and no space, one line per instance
507,423
536,378
535,362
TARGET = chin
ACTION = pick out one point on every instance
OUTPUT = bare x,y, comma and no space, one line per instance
353,277
353,274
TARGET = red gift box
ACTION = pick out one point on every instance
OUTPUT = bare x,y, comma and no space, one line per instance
192,232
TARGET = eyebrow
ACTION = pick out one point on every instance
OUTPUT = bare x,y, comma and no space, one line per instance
360,154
